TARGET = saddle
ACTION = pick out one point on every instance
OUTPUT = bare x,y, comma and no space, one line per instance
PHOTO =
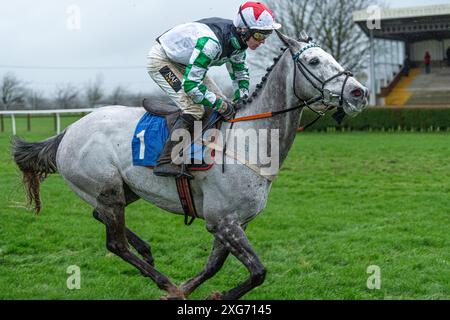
170,113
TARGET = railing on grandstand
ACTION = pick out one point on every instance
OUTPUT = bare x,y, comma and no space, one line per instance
29,113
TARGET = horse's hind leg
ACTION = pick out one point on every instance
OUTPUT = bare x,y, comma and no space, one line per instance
233,237
215,261
142,247
111,211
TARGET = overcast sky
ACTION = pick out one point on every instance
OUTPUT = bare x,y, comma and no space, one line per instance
38,36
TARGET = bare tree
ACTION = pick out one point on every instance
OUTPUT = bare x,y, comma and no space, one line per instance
135,99
35,100
66,96
12,92
339,35
94,91
329,22
118,96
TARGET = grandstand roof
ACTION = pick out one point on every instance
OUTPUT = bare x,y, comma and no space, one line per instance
408,24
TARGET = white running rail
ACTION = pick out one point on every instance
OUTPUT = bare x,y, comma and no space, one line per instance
12,113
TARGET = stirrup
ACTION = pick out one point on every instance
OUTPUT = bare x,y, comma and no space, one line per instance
172,173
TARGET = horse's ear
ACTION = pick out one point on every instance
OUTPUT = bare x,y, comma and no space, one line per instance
304,36
291,43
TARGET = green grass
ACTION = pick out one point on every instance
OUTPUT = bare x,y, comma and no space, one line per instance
342,202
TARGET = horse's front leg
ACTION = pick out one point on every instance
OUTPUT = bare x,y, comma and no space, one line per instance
230,233
216,260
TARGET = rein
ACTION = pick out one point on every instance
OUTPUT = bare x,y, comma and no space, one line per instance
325,96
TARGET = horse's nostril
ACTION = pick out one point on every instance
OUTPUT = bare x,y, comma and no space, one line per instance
357,93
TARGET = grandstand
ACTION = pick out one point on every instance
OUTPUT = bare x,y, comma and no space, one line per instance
421,89
402,33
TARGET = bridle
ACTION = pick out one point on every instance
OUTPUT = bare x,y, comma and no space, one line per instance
326,97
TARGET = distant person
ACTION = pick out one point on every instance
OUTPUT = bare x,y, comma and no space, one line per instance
448,56
427,61
407,66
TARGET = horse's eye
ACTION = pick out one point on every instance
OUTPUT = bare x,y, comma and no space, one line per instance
314,61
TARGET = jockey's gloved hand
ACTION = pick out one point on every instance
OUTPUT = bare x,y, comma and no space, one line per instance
240,103
226,109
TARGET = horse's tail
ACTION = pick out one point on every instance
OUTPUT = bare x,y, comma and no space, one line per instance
36,160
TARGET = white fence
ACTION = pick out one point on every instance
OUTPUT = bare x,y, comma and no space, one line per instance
12,113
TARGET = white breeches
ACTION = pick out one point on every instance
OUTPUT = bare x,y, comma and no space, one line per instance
169,77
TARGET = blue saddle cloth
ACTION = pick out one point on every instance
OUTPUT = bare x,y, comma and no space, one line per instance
149,137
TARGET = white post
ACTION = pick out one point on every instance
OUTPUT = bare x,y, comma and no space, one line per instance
373,84
13,119
58,124
393,62
385,63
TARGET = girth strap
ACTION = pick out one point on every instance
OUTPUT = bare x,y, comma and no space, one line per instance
187,202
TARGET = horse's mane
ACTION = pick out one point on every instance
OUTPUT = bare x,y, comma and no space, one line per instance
260,85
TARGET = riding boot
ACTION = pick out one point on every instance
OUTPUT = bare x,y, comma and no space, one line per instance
165,166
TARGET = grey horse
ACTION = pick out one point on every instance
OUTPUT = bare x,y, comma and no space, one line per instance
93,155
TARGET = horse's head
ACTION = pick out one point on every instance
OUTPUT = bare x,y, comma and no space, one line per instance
326,79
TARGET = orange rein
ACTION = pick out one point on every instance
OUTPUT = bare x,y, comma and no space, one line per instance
253,117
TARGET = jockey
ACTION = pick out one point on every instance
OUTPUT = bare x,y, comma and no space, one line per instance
180,59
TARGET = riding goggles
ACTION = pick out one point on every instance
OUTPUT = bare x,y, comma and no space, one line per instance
260,35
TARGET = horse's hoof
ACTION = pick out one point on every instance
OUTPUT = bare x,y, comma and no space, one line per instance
184,290
174,294
215,296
